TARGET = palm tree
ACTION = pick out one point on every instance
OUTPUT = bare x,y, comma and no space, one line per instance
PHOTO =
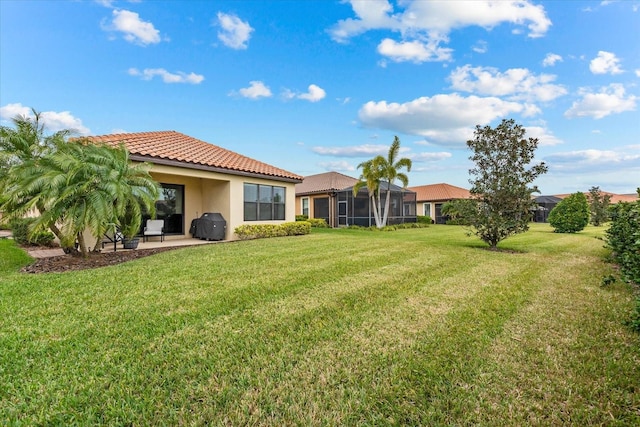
74,185
91,186
378,170
131,187
372,174
392,167
21,151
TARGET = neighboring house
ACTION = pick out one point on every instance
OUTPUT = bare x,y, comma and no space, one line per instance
316,195
430,199
330,196
547,203
198,177
545,206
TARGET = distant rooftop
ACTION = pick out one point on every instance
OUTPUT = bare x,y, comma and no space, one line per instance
324,183
439,192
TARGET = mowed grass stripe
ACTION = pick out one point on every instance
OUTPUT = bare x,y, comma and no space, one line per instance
350,328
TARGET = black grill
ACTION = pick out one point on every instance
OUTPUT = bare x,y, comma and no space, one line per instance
210,226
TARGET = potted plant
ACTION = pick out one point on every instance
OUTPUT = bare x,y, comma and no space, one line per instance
130,227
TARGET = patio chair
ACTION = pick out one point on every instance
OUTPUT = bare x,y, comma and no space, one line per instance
155,227
113,235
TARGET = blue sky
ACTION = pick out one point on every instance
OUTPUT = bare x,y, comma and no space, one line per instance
315,86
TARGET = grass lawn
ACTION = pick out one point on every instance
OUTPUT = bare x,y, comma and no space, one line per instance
340,327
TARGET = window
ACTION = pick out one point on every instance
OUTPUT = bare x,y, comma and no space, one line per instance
263,202
305,206
427,209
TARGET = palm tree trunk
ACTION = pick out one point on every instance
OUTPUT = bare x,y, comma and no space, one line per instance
387,203
378,219
82,244
376,214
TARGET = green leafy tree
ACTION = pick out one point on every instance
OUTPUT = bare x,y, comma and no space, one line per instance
598,206
571,214
379,170
503,175
459,211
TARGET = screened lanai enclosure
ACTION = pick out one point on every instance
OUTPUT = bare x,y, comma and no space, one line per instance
544,205
357,210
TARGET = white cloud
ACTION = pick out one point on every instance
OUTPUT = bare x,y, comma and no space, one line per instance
53,121
611,99
415,51
135,30
594,161
256,90
338,166
425,25
10,111
545,137
605,63
442,17
167,77
515,83
235,32
428,157
315,94
443,119
481,46
637,72
365,150
551,59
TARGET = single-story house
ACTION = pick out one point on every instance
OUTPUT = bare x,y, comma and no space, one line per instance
330,196
547,203
545,206
197,177
431,197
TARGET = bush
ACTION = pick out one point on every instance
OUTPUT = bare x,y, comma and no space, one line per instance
261,231
20,230
318,222
571,214
393,227
297,228
301,217
623,238
424,219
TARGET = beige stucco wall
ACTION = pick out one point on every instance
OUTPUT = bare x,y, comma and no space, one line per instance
216,192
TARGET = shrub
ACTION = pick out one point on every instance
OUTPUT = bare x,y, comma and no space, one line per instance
318,222
623,237
297,228
20,229
301,217
571,214
261,231
424,219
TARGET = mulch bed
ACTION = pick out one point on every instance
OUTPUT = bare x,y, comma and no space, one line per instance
63,263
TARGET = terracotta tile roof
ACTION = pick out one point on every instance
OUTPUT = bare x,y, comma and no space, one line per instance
190,152
615,198
324,183
439,192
